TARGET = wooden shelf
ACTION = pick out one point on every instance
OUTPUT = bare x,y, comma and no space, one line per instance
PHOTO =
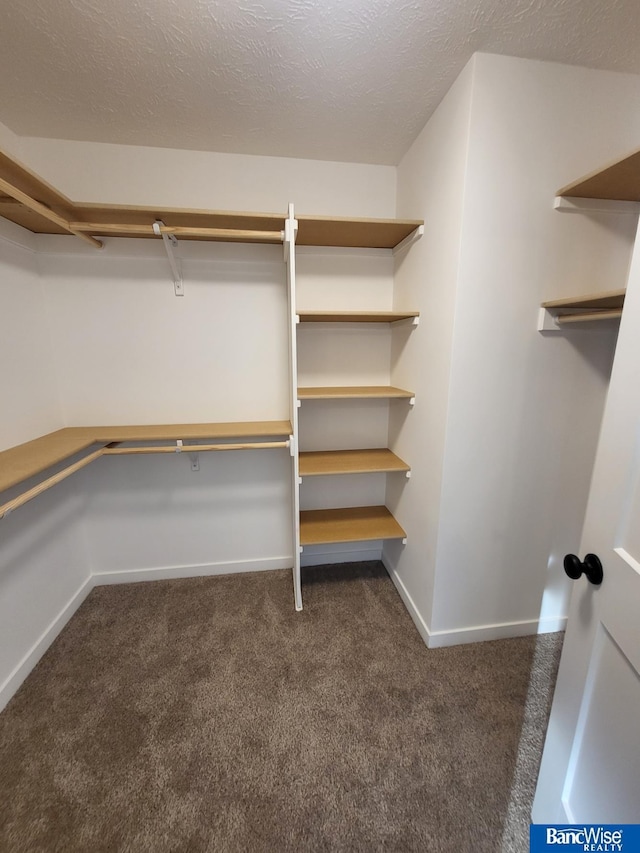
319,462
589,308
354,233
53,213
33,457
354,392
356,316
353,524
619,181
612,299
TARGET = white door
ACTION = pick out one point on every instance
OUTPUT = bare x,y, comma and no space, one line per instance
590,770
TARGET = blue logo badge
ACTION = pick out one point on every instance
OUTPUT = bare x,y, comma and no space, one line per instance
585,838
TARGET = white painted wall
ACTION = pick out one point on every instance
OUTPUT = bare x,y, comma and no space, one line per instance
10,142
43,567
431,181
28,385
523,410
138,175
128,350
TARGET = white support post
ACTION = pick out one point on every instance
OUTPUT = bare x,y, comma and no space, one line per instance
170,242
290,232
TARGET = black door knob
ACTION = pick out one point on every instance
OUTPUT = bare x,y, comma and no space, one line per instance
591,568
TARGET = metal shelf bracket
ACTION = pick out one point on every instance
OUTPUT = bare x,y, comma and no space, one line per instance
170,242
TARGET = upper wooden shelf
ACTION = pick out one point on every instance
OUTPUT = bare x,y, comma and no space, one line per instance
356,316
586,309
354,233
619,181
353,392
610,299
33,457
380,460
41,209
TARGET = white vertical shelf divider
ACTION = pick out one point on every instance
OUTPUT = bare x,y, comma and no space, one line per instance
290,232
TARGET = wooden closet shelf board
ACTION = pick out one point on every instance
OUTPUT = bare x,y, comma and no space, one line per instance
119,220
113,215
620,181
356,316
19,214
318,462
364,233
353,392
33,457
352,524
612,299
162,432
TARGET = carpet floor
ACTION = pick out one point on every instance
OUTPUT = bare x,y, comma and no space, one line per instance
207,715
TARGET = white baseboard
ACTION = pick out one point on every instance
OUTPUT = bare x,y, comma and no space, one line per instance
195,571
498,631
476,633
11,684
421,625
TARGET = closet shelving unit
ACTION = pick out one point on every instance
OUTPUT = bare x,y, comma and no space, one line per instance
32,203
352,524
612,189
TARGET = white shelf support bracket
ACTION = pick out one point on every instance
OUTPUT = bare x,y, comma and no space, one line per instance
410,322
566,204
170,242
292,445
404,541
412,402
547,321
409,240
179,445
407,474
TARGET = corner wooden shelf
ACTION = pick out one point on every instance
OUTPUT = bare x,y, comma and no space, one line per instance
356,316
380,460
589,308
618,181
26,460
29,201
351,524
354,392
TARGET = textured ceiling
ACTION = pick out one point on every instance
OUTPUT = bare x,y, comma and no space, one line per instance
351,80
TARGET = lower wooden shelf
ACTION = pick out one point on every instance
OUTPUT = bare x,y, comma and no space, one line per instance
356,316
33,457
317,462
351,524
353,392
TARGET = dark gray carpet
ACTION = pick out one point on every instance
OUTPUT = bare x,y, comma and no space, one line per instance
206,715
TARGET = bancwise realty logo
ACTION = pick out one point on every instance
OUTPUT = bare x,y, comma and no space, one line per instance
590,838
